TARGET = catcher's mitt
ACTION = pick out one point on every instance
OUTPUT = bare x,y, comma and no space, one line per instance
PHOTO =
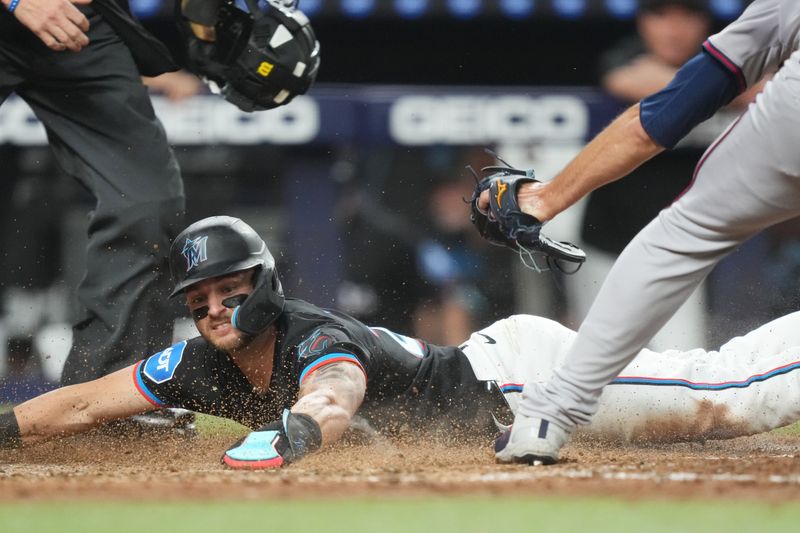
506,225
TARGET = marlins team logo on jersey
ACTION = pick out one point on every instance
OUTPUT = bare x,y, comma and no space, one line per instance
195,252
317,343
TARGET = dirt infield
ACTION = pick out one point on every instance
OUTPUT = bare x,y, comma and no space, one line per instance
763,468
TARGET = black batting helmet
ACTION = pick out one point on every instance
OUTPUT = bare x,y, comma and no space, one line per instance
222,245
215,246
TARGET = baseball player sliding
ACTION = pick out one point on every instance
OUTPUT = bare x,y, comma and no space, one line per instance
748,179
300,373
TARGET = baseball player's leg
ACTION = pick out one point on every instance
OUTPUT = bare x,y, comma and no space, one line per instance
751,385
103,131
517,350
746,183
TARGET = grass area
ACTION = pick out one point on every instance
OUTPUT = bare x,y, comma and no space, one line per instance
467,514
208,425
791,430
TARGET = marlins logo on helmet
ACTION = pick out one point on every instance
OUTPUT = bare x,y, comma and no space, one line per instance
194,250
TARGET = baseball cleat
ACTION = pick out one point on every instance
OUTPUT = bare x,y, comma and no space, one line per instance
532,441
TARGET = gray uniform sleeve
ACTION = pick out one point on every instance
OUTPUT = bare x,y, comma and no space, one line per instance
759,40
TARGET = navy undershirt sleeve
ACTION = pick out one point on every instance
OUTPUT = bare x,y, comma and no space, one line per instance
696,92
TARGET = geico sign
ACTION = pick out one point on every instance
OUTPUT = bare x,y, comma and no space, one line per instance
200,120
211,120
478,119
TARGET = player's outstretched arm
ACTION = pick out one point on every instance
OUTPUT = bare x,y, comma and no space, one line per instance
331,396
328,399
58,23
75,409
615,152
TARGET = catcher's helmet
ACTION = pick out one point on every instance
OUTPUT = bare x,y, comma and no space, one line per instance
258,60
221,245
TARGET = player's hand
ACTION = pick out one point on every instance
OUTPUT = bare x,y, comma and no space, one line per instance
58,23
264,449
277,444
529,197
498,213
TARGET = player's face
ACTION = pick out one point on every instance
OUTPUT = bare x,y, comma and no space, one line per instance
212,317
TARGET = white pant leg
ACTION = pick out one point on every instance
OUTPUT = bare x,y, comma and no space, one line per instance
746,182
751,385
517,350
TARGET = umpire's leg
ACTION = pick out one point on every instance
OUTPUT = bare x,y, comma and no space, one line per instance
102,128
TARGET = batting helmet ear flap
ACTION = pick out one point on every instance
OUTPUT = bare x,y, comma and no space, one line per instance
263,306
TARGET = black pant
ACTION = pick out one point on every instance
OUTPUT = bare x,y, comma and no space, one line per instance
101,125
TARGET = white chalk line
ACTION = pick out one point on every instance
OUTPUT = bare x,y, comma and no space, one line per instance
532,474
540,473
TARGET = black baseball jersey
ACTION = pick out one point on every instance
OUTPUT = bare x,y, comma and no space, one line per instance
409,382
